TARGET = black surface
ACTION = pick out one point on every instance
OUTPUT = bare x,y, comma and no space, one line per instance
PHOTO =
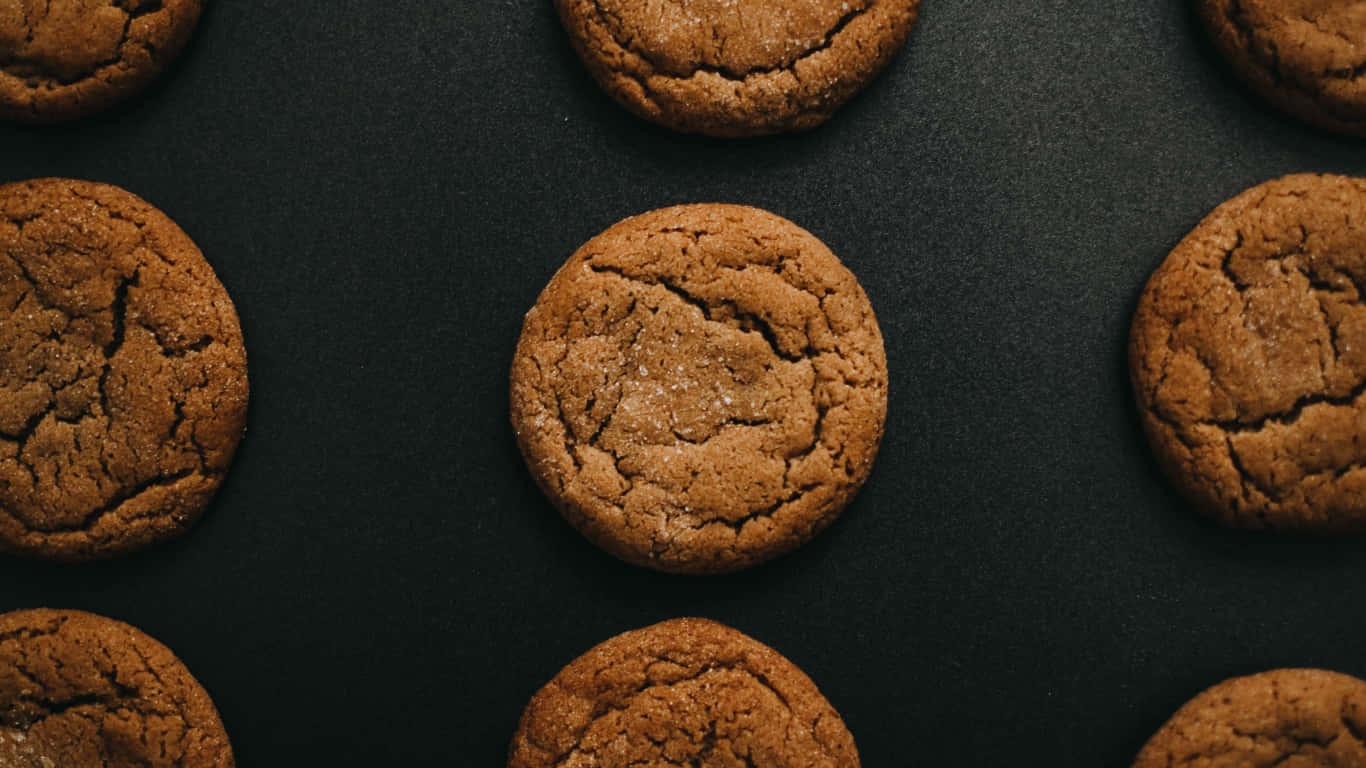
385,187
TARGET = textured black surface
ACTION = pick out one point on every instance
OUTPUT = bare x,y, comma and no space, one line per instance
385,187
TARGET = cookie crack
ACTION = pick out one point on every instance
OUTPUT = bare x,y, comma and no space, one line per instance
121,498
605,709
750,322
656,70
761,327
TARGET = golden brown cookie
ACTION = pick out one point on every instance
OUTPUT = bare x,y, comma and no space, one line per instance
64,59
686,692
81,690
123,379
1307,57
1248,358
736,67
1296,718
700,388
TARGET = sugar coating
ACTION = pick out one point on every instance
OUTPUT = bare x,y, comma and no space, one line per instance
700,388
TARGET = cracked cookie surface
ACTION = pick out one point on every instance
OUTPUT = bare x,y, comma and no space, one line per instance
1308,57
685,692
736,67
123,380
82,691
1248,358
1296,718
700,388
64,59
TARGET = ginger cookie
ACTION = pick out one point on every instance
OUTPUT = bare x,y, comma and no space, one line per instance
81,690
1307,57
65,59
736,67
1300,718
1248,358
686,692
700,388
123,379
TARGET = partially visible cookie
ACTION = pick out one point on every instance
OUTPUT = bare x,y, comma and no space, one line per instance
700,388
1248,358
65,59
1297,718
1307,57
736,67
686,692
123,379
81,690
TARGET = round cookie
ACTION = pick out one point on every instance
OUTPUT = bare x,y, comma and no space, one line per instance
686,692
1305,718
81,690
700,388
1307,57
1248,358
123,379
736,67
64,59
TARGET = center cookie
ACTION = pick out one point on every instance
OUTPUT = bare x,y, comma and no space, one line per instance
736,67
123,379
1248,357
700,388
81,690
686,692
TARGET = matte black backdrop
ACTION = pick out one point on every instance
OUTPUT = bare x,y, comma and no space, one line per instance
384,187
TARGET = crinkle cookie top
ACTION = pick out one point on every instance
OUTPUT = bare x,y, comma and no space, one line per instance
700,388
64,59
82,691
686,692
1248,355
123,378
1307,56
1292,718
736,67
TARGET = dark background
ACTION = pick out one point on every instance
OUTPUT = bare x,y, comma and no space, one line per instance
384,188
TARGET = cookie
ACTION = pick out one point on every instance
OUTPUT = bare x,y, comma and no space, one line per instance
736,67
1305,718
81,690
686,692
700,388
65,59
1248,358
123,380
1307,57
